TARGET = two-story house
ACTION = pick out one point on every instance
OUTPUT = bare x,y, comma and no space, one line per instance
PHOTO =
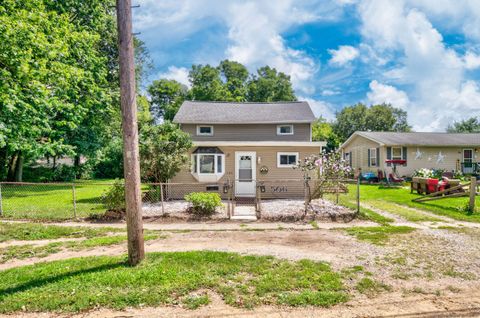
245,142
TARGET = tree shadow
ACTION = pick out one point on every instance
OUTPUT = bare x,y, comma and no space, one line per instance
35,283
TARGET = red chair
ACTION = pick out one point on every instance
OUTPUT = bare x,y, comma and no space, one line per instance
433,185
395,179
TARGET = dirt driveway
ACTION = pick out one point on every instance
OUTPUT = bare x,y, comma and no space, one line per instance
430,271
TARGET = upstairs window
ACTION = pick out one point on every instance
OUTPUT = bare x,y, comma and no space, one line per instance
287,159
204,130
285,130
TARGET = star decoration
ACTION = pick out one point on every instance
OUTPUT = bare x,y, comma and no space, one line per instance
418,154
440,157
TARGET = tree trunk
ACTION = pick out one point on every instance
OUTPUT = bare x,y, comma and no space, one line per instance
19,168
54,164
11,167
3,162
76,165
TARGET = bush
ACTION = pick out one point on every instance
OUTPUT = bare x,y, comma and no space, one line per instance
203,204
114,198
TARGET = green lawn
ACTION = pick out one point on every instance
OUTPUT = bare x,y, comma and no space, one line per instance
53,201
378,235
35,231
387,199
29,250
168,278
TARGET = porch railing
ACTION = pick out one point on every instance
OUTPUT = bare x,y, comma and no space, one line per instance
470,167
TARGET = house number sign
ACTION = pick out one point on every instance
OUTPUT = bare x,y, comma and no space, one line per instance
264,170
279,189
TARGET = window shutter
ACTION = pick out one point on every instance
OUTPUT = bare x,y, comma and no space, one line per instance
389,155
378,157
404,153
350,159
368,154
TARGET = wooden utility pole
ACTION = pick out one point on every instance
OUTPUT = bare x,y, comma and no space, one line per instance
136,249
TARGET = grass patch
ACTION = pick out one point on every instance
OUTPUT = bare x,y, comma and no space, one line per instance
35,231
314,224
378,235
370,287
166,278
29,251
450,207
349,201
53,201
406,213
196,301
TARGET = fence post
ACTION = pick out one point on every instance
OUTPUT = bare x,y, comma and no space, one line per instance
358,193
74,202
161,198
1,203
473,193
306,195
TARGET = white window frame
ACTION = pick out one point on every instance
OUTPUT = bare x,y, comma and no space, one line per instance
279,154
215,165
471,158
373,151
204,134
285,134
401,153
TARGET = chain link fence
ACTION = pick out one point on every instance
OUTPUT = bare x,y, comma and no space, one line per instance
64,201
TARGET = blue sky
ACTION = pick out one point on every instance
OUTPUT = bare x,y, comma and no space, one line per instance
419,55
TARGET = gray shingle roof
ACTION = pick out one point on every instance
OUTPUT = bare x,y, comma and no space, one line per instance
422,138
243,113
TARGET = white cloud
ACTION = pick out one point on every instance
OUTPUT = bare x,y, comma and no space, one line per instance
180,74
472,60
320,108
381,93
253,30
329,92
343,55
435,72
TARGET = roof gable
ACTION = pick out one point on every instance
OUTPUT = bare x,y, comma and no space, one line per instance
193,112
418,138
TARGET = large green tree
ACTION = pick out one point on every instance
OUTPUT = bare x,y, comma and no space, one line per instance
52,79
322,130
359,117
166,97
470,125
270,86
163,151
229,81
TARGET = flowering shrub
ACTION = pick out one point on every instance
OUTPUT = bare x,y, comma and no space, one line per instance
423,173
331,171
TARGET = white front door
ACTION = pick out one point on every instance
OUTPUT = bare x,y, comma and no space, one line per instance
245,173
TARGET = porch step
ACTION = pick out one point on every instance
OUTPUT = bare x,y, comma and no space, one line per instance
245,212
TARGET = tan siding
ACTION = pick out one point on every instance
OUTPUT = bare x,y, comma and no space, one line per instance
249,132
359,147
268,157
429,159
